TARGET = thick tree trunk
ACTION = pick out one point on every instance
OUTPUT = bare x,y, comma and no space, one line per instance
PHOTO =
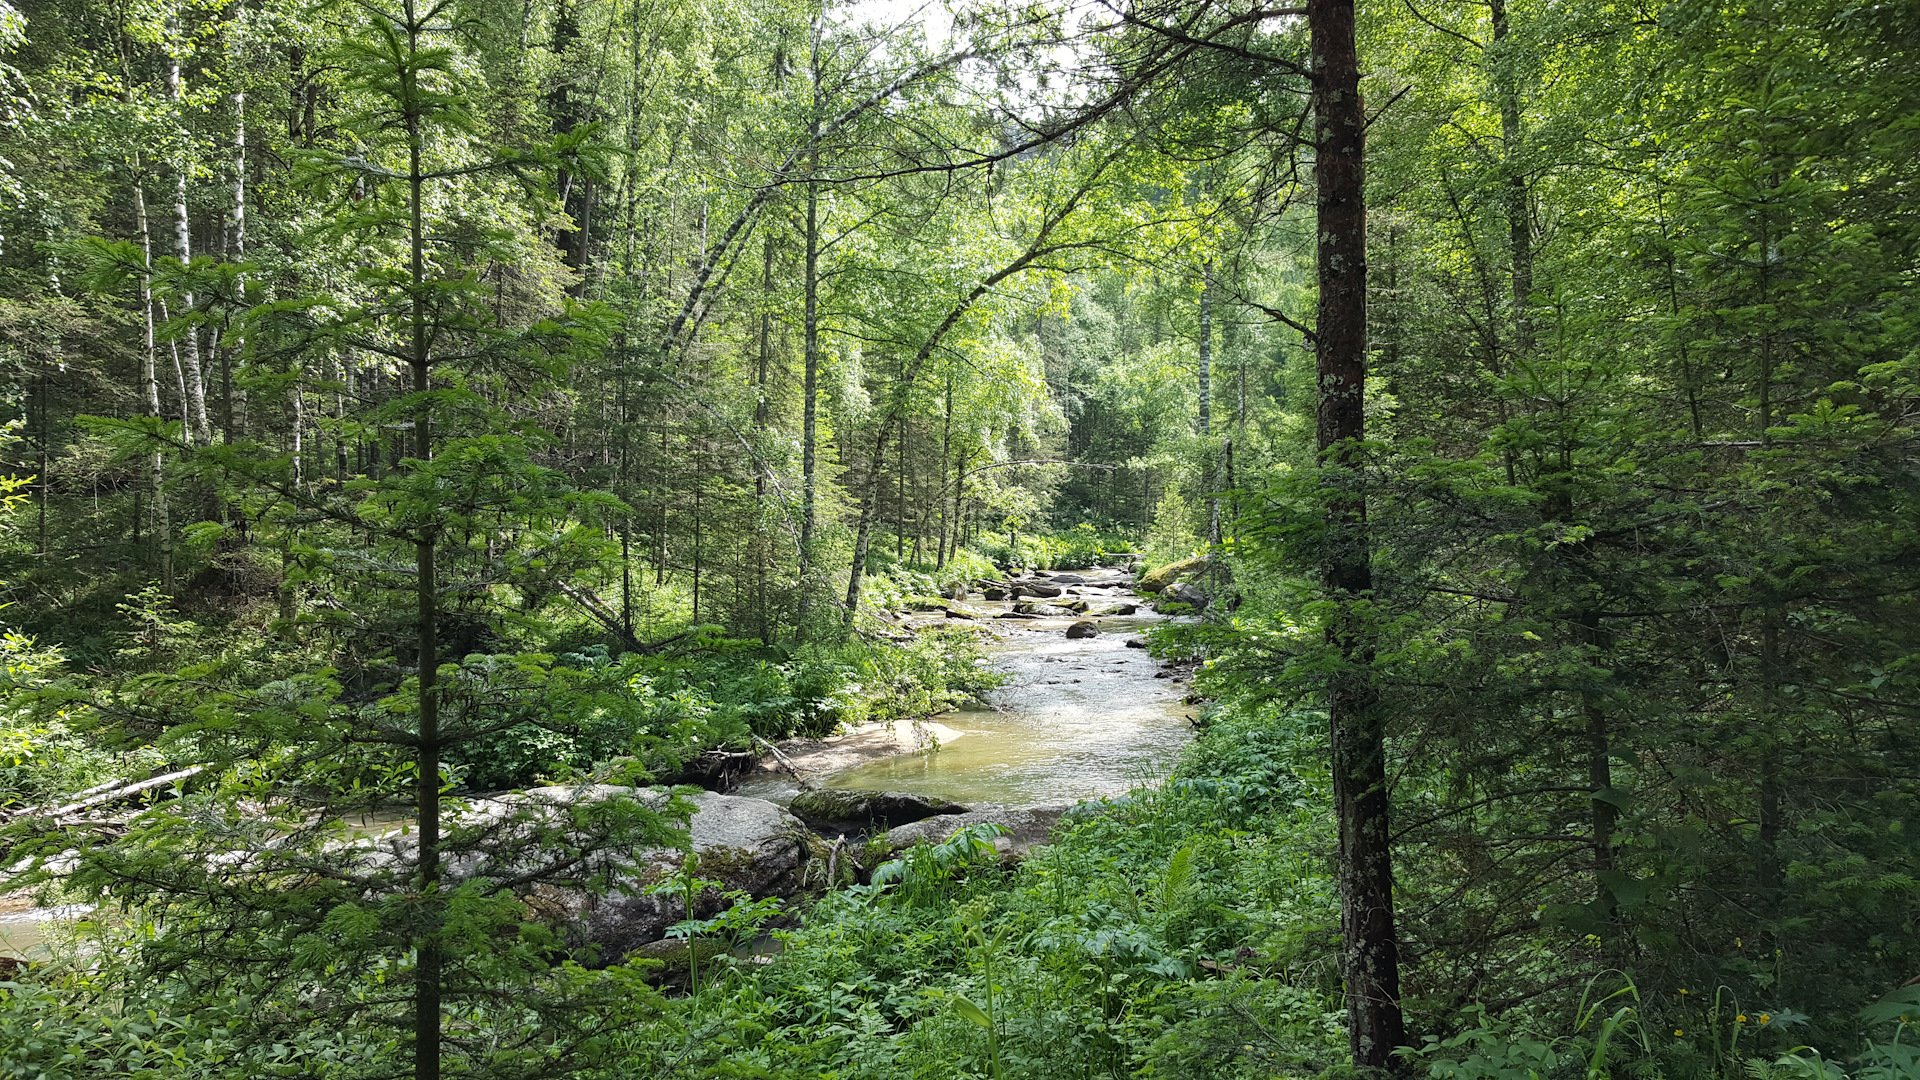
1370,962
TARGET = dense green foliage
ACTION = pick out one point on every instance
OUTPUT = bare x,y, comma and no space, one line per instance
409,403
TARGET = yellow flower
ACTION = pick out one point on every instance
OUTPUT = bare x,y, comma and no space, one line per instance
1677,1033
1683,990
1766,1018
1741,1019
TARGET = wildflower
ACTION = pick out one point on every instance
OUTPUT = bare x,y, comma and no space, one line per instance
1741,1019
1683,991
1678,1033
1765,1019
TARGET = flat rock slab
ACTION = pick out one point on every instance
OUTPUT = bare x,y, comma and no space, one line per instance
1028,827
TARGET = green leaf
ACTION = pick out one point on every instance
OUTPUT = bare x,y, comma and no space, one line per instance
972,1012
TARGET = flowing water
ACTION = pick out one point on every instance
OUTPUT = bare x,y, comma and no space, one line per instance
1078,718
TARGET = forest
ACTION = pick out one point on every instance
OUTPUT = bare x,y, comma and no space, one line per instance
476,476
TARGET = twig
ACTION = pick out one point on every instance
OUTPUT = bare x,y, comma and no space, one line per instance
785,762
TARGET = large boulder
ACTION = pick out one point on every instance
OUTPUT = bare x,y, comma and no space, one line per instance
1067,579
848,811
1083,629
747,845
1157,580
1181,593
1043,591
1027,827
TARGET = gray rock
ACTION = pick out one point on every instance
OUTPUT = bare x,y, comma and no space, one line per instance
994,594
1028,827
1182,593
1041,611
1067,579
1135,643
830,806
1015,615
960,613
1083,629
748,845
1045,591
1114,609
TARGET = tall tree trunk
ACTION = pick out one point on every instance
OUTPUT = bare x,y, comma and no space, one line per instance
195,390
809,394
947,522
1206,398
428,950
1506,83
237,393
150,379
1370,961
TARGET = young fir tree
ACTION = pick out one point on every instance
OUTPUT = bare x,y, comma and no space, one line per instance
325,907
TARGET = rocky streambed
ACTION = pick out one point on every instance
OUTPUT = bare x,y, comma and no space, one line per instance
1085,714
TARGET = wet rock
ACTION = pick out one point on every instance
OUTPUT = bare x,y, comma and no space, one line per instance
960,613
674,953
1114,609
1083,629
994,594
1135,643
862,809
1041,611
1046,591
1015,615
926,605
1158,580
1028,827
1067,579
1078,607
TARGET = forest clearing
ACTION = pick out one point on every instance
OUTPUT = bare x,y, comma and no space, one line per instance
1097,538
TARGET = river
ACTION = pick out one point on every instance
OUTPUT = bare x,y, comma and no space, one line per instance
1079,718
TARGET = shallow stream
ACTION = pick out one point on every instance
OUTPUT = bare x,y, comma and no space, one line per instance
1078,719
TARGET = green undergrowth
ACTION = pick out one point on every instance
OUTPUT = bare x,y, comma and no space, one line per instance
64,729
1178,931
1082,547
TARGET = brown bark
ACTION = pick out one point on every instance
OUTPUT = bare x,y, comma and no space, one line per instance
1370,962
